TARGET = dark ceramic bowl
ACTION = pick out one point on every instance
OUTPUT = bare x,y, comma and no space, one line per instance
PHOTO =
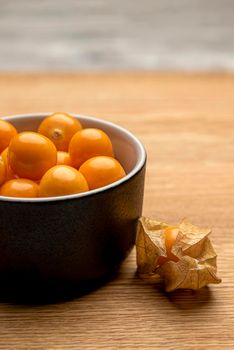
77,237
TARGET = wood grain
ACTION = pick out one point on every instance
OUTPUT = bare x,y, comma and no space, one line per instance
186,123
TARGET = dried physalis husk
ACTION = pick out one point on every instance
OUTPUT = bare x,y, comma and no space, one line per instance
194,262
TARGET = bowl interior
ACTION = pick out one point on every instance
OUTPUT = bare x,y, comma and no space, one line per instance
128,150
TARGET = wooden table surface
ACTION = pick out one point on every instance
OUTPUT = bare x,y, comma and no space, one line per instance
186,123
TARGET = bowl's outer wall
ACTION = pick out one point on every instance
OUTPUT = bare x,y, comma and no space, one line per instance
77,239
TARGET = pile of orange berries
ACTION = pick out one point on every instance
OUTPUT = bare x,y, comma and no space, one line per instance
61,158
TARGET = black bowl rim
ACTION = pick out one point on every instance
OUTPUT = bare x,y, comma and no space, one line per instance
139,165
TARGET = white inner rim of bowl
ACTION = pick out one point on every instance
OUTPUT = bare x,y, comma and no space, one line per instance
141,156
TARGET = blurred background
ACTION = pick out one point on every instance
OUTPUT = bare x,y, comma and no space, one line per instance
68,35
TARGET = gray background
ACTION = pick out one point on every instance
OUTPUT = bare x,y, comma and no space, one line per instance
116,34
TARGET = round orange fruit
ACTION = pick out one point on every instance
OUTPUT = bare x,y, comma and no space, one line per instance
170,234
7,131
23,188
59,128
101,171
88,143
62,180
30,155
63,158
9,173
